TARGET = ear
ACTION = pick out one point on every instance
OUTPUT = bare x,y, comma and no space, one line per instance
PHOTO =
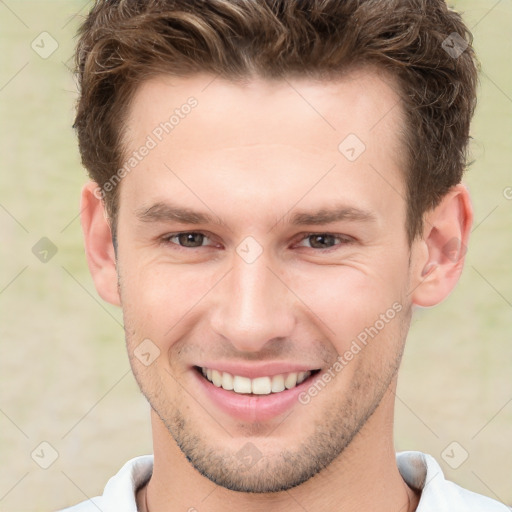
445,239
99,248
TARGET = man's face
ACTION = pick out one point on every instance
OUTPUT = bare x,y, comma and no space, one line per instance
253,290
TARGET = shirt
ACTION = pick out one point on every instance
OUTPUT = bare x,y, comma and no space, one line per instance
419,470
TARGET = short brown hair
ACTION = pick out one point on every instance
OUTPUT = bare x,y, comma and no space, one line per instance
422,43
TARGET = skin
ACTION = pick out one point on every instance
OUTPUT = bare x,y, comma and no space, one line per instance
252,154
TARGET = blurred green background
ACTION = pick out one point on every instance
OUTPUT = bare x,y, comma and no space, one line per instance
65,377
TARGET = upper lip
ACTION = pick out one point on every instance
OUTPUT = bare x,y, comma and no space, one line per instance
255,370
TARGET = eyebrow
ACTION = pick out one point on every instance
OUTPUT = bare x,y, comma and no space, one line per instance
166,212
160,212
330,215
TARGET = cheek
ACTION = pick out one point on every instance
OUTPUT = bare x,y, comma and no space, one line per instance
167,302
346,300
162,301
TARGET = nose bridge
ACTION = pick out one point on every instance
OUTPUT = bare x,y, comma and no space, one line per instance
253,307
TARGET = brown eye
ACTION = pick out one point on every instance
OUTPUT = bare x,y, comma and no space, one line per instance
191,240
324,241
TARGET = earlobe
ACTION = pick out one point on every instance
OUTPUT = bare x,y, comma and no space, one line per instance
99,248
445,236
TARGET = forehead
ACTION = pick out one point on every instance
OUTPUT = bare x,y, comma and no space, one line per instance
259,138
306,110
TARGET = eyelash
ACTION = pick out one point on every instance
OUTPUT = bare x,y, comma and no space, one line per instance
343,240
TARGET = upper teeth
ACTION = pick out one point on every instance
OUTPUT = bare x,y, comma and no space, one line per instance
257,386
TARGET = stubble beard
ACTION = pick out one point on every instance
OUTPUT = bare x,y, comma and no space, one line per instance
286,468
282,469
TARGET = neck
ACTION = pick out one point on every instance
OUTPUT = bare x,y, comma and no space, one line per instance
363,478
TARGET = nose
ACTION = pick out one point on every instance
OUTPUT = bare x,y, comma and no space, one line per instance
253,306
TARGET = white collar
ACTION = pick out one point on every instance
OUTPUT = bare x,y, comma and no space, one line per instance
419,470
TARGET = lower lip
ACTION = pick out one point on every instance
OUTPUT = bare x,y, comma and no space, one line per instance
252,408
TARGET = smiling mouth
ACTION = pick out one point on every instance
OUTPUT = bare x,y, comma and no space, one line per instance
258,386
